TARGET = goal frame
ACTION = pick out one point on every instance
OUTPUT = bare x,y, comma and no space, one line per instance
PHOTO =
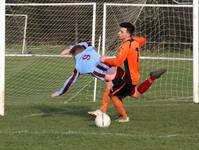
195,59
195,52
2,41
25,29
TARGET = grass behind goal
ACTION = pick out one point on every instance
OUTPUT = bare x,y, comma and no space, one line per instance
35,121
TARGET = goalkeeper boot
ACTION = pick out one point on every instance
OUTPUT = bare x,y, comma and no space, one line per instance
157,73
123,119
95,113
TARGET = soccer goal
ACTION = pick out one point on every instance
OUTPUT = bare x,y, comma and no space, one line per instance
172,43
36,33
34,40
16,25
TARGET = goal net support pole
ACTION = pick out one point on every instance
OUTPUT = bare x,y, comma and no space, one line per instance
2,57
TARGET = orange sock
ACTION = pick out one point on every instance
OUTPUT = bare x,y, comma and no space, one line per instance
119,106
105,100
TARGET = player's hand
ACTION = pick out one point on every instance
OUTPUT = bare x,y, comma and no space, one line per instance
102,59
65,52
53,94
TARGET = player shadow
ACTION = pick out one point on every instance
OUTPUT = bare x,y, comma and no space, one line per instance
69,110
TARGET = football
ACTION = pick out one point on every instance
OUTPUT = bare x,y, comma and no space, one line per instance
103,120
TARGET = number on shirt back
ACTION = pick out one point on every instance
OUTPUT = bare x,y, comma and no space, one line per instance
86,57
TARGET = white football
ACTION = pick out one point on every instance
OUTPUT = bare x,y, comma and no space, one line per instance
103,120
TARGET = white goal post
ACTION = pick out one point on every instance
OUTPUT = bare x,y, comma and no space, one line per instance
2,57
195,51
108,27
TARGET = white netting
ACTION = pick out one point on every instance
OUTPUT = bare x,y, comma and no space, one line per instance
182,1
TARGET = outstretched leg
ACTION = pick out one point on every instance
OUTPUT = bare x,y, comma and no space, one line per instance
144,86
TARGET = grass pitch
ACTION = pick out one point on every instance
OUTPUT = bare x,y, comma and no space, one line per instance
164,118
54,125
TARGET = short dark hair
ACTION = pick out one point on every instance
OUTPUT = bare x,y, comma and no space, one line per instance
130,27
75,48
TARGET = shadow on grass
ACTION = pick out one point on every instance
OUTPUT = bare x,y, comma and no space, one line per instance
62,110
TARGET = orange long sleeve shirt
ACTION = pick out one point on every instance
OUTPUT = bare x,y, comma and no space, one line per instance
129,54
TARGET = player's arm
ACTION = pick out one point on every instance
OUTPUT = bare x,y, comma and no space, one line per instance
119,59
65,52
67,84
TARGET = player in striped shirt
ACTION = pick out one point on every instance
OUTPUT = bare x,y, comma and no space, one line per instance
87,61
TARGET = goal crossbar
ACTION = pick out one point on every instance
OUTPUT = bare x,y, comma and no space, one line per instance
146,5
48,4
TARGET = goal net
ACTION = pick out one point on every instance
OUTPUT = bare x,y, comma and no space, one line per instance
169,33
35,36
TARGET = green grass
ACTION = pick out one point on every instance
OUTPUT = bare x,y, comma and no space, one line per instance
163,119
54,125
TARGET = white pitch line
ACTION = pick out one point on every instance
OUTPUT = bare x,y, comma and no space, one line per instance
70,132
